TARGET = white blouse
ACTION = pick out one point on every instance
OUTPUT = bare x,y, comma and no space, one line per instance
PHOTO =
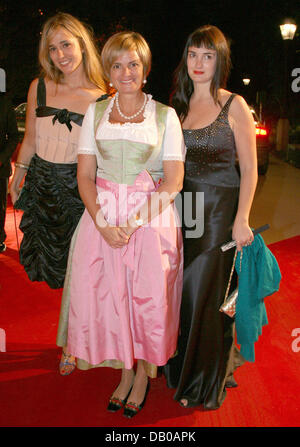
143,132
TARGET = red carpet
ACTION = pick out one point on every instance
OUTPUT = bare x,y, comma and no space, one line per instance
34,394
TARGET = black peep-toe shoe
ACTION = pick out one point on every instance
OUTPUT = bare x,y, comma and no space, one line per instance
131,409
115,404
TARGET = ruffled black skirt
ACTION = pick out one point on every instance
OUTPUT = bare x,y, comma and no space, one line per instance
53,208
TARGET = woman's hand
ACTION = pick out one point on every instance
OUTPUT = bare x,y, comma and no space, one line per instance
14,194
130,226
242,234
116,237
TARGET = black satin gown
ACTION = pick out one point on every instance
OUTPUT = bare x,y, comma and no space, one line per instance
207,355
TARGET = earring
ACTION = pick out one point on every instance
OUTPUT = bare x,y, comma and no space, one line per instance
144,81
110,84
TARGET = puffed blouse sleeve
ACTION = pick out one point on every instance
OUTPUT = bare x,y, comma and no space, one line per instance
87,143
173,145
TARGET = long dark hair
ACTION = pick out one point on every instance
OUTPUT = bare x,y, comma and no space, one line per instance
207,36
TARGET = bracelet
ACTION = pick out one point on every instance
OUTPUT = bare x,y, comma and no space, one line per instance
21,165
139,222
135,222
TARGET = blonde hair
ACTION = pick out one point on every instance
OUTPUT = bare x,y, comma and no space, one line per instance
90,55
125,41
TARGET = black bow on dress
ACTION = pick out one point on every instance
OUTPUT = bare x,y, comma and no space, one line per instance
62,115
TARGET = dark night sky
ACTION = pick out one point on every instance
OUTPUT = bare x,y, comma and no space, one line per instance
252,27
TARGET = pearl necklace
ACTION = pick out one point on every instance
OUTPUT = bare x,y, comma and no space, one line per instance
132,116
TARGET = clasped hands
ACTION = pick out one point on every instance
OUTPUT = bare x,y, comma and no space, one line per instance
117,236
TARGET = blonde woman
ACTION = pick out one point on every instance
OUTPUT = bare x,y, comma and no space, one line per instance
71,78
125,267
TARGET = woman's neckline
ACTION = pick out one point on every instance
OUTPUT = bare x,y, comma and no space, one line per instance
146,112
209,125
60,108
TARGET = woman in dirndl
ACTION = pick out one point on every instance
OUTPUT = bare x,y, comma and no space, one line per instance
122,292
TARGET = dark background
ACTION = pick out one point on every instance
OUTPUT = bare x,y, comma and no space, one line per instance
252,28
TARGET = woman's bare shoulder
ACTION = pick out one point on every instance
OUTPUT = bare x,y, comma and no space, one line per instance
95,93
223,96
239,107
238,101
33,85
32,91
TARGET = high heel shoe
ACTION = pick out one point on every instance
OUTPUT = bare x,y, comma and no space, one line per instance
230,382
131,408
115,404
184,404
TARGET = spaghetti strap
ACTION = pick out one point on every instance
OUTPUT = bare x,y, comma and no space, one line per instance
41,93
225,109
64,116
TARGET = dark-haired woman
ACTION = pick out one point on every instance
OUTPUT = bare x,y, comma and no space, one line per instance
218,128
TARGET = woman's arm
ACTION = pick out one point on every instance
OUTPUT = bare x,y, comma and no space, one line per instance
245,140
86,174
161,198
173,173
28,147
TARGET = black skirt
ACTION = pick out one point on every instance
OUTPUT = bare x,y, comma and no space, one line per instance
207,355
53,208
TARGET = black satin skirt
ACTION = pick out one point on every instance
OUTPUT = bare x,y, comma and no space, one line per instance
207,355
53,209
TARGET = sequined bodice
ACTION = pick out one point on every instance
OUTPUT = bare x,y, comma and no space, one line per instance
211,152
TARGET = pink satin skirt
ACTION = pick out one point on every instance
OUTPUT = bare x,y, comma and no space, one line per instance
125,302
